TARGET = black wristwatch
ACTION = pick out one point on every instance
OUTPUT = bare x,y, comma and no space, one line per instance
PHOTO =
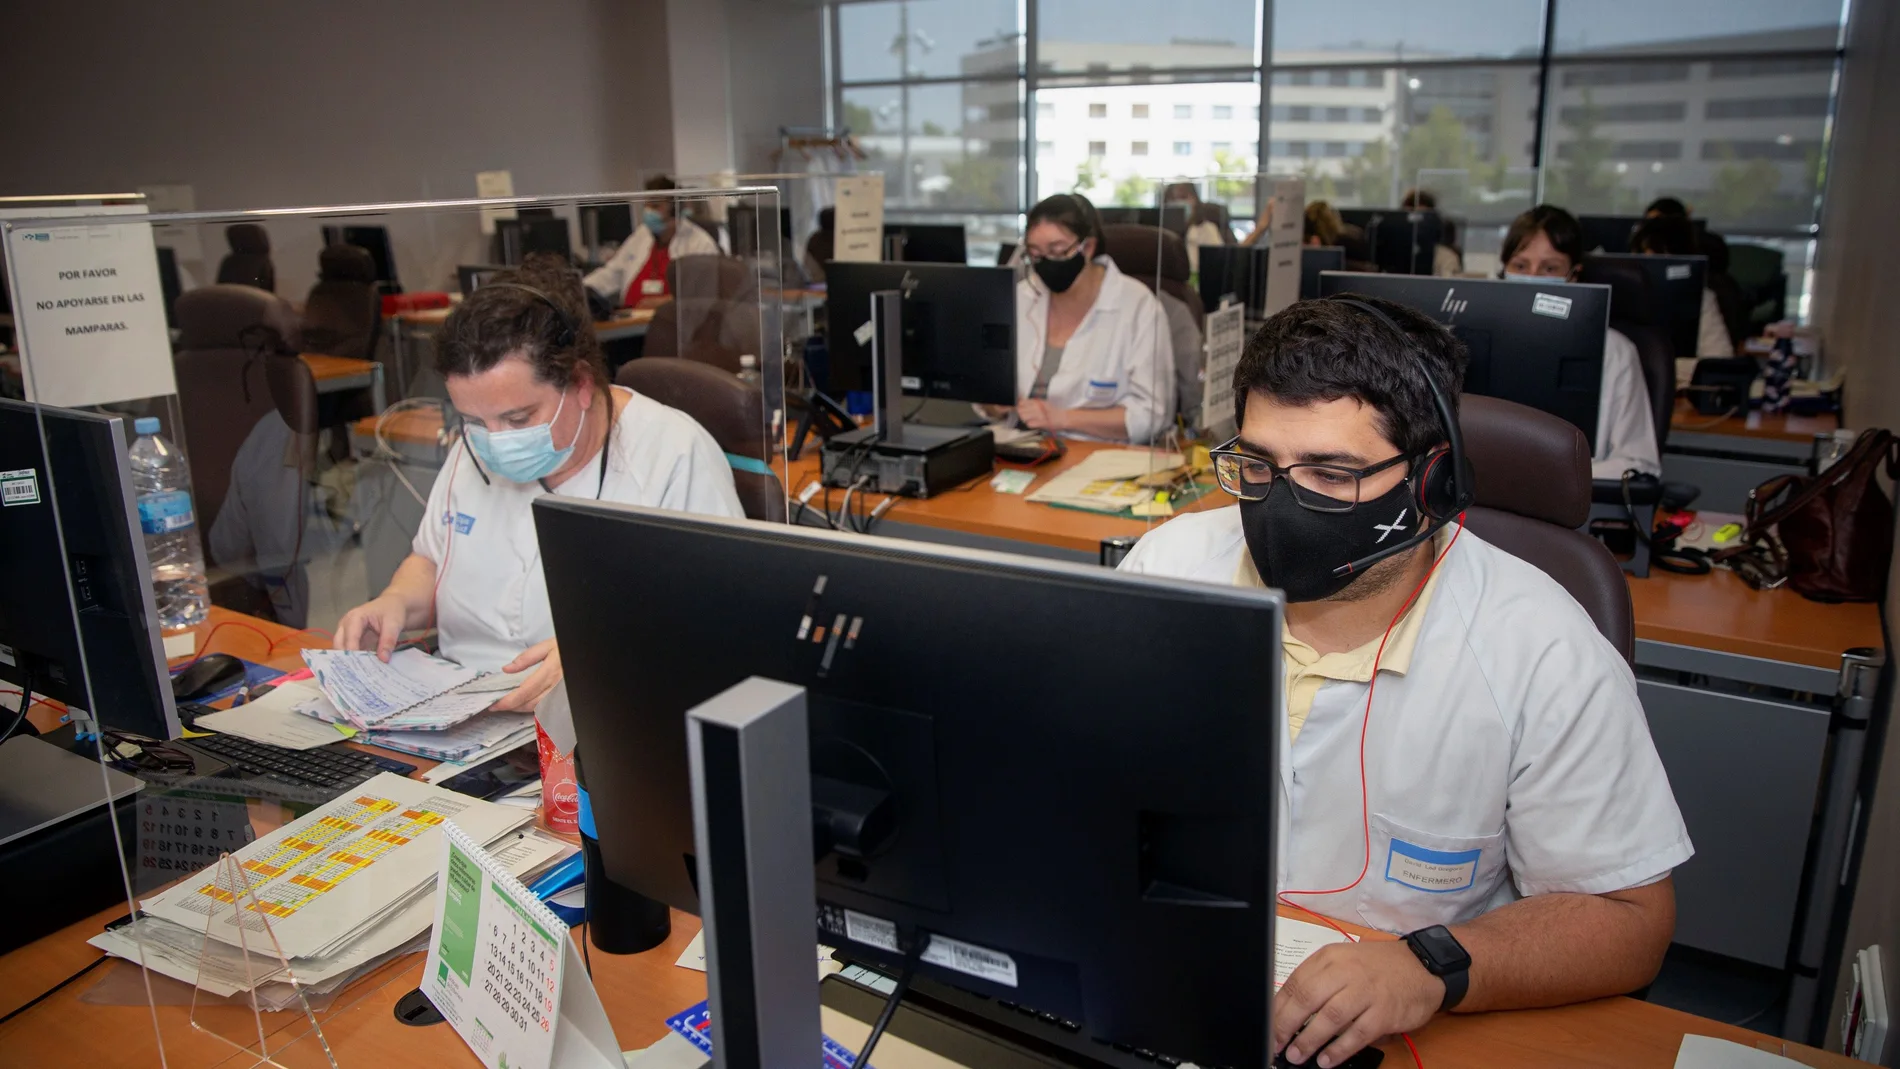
1445,958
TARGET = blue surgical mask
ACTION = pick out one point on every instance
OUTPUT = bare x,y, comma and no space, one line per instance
1535,280
652,220
524,455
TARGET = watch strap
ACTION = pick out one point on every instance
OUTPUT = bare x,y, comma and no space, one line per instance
1457,982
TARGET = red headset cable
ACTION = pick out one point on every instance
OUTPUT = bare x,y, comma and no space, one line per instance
1365,810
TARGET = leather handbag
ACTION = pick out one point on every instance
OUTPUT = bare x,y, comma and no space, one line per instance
1829,536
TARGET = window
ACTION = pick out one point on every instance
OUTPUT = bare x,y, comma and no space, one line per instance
1337,78
1375,115
1221,146
1625,150
1184,148
1662,111
1388,30
1138,148
1223,111
1098,111
952,155
1045,147
1585,27
1256,113
1299,150
1098,149
1335,150
1254,148
1785,149
1644,74
1300,113
1045,109
1338,114
1138,111
1084,35
1769,108
1184,111
947,39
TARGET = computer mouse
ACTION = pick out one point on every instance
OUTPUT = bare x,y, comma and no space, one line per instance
207,675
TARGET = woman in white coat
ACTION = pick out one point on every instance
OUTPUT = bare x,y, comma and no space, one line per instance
525,372
635,275
1547,243
1092,345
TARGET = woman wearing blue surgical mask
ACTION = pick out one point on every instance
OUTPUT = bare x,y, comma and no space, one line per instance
525,373
1545,244
635,275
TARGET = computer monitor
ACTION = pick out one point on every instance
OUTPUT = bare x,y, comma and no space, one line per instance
1674,295
470,277
920,243
959,329
605,226
517,238
1611,233
1237,271
1173,217
1315,259
376,240
1004,251
1104,820
1538,345
81,470
1400,242
747,235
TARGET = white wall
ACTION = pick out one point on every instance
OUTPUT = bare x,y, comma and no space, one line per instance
1854,285
777,74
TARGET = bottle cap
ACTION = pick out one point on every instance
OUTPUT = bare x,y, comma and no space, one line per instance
146,425
748,360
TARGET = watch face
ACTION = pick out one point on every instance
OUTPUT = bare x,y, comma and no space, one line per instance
1446,952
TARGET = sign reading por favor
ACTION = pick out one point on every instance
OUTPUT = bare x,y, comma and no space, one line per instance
1287,235
89,313
1226,334
858,219
503,971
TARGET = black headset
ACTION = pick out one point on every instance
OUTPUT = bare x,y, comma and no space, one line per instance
1442,479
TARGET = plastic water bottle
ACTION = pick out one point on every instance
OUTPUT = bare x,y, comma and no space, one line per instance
163,486
749,370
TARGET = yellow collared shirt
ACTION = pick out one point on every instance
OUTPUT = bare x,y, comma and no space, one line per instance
1305,669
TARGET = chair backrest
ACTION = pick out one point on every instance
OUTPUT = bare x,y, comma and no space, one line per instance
1532,484
342,313
222,385
248,263
731,411
1156,258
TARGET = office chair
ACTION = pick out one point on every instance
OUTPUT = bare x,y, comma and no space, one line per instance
342,315
730,410
1533,493
1157,259
1734,302
248,263
227,334
713,317
1761,272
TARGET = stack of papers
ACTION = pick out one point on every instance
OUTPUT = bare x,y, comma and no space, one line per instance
412,691
344,888
1106,481
489,733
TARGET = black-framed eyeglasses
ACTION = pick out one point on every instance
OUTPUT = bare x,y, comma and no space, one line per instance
1066,254
1316,487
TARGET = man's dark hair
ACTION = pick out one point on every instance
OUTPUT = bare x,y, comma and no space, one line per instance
1072,212
1324,350
496,321
1668,206
1419,200
660,182
1669,235
1559,227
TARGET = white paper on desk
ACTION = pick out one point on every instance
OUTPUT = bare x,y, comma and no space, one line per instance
1076,487
337,868
1707,1052
274,719
1294,942
694,957
474,736
367,690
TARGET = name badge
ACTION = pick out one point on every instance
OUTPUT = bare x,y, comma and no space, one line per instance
652,287
461,521
1102,393
1432,871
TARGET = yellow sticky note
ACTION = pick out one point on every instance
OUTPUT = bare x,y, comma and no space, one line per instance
345,730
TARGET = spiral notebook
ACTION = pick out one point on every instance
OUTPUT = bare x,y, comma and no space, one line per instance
504,973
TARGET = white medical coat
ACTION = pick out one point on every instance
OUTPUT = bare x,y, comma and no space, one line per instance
612,278
1120,354
491,599
1512,758
1626,426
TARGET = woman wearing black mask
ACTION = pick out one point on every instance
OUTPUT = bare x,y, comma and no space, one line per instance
1092,346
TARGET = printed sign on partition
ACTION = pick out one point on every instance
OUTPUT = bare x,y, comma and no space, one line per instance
1289,218
89,314
1226,333
858,220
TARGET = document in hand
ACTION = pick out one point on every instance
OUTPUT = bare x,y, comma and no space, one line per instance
411,692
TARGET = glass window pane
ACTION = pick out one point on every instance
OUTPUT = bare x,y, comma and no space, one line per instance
1320,31
943,146
1741,142
1103,36
893,39
1637,26
1121,159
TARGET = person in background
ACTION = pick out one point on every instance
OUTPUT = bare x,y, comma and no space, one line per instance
1447,262
1496,798
1666,207
525,373
635,275
1093,353
1672,235
1202,229
1547,243
819,246
1323,225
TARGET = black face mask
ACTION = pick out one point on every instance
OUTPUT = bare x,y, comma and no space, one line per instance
1297,550
1059,275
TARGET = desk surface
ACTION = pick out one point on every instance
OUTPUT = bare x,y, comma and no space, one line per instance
433,317
1782,426
325,368
1720,612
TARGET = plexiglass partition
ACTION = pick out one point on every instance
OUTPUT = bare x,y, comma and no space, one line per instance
224,434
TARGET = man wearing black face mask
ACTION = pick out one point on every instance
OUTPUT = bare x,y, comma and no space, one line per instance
1496,798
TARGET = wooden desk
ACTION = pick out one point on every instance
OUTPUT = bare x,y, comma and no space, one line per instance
1779,426
1721,613
1729,457
335,374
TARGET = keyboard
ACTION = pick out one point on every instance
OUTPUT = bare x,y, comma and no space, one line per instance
325,770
